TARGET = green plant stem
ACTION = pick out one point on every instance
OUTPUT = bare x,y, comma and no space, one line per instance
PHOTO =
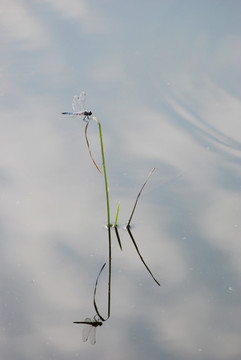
105,174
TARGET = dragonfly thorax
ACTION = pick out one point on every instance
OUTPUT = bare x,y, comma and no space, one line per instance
98,323
87,113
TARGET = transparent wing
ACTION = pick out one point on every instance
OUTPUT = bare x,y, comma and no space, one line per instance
88,320
78,103
92,335
75,104
86,330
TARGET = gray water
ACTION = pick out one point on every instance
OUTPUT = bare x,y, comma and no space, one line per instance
163,77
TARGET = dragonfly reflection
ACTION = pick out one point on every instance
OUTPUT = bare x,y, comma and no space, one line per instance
78,106
89,330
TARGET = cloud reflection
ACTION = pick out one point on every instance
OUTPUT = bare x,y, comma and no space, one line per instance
19,24
81,11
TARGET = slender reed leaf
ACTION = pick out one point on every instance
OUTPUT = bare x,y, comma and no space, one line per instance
115,225
128,224
88,145
117,214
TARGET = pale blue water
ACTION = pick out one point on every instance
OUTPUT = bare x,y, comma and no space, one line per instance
164,80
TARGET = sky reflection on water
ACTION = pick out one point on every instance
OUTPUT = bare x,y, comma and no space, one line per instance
164,80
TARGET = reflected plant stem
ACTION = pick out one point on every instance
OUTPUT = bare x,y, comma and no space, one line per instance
133,240
109,280
118,237
96,283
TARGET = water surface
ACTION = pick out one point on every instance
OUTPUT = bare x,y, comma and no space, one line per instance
164,80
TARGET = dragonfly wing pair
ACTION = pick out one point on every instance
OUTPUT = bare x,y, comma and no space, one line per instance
78,103
89,330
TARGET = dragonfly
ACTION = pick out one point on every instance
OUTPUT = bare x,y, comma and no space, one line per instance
89,330
78,106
